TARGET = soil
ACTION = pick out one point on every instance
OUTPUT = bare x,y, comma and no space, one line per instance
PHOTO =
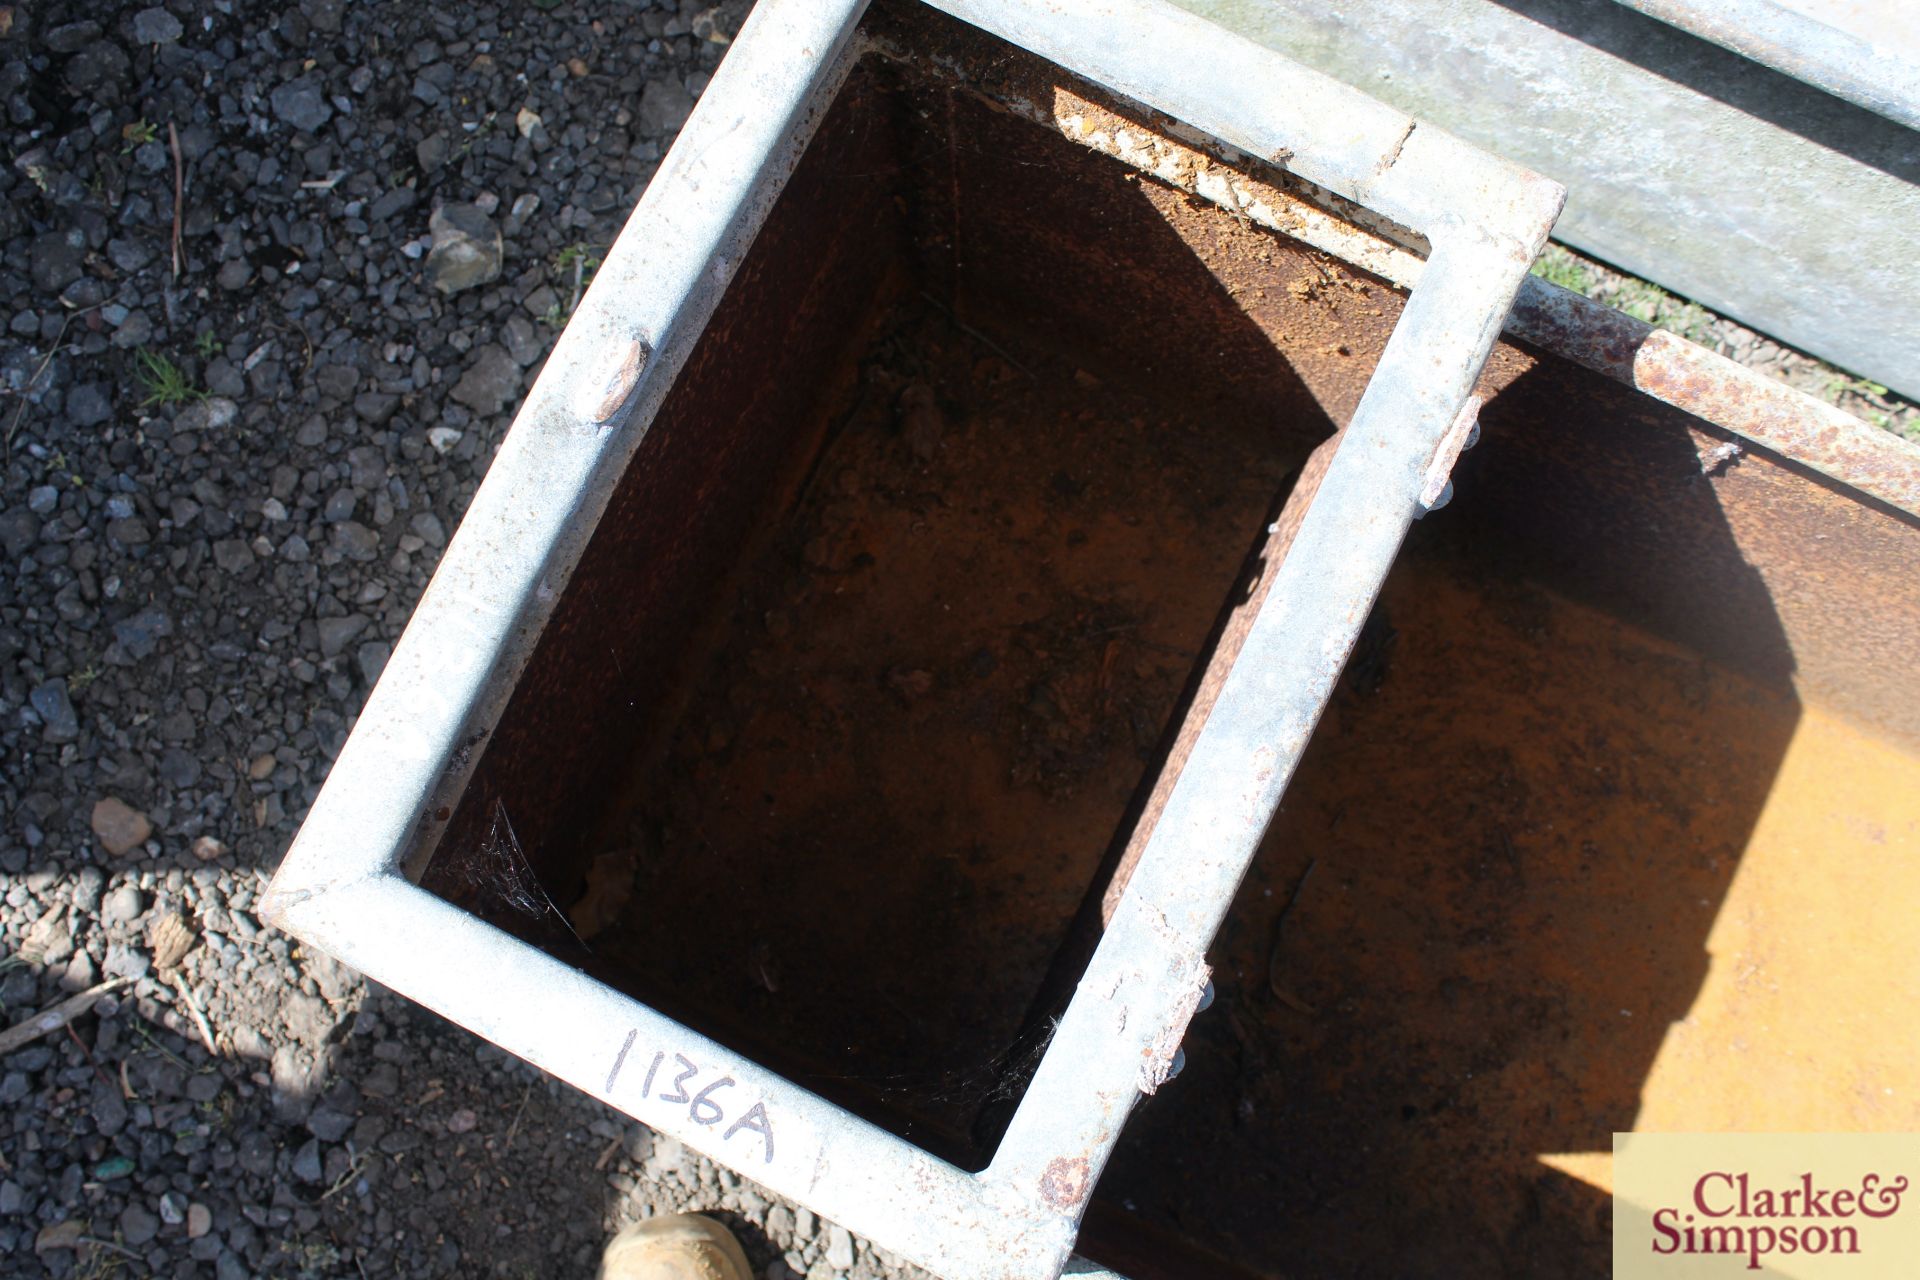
937,690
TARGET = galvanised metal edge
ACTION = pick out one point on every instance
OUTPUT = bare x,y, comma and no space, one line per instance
341,887
1766,199
1865,74
1486,221
1787,422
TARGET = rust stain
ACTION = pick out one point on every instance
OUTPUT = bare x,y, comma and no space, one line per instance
1064,1184
1773,415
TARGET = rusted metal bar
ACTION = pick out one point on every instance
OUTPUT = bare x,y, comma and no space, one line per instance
1713,388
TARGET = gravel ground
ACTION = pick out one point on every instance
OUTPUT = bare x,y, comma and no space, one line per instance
227,477
237,431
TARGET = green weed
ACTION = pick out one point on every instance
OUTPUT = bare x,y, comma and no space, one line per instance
1556,266
583,258
138,134
164,381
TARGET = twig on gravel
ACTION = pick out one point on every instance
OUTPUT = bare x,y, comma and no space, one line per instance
88,1054
344,1180
199,1017
515,1126
26,387
139,1026
179,192
108,1245
579,272
45,1023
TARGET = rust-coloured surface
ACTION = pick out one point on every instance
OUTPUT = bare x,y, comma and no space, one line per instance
936,693
1064,1184
715,456
1637,508
1109,259
867,854
1225,650
1677,372
1542,849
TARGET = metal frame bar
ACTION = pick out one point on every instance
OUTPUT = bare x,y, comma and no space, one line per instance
341,886
1866,74
1793,425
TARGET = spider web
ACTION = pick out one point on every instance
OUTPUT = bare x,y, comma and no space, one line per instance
503,881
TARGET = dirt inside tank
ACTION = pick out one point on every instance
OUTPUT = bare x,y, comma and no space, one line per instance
919,729
1479,908
1541,877
914,733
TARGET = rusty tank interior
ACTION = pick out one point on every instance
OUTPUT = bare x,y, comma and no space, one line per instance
865,676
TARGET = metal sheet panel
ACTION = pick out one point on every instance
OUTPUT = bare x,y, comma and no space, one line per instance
1764,198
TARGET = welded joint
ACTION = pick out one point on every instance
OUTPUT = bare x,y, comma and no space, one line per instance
1436,488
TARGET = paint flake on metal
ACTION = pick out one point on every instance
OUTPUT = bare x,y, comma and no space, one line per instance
1459,438
603,394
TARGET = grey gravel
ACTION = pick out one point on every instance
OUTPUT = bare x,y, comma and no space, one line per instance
355,541
19,530
127,961
71,37
138,1227
839,1253
233,555
154,26
140,634
337,633
56,259
490,383
370,659
55,709
215,413
467,248
665,105
302,104
89,404
197,595
124,904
